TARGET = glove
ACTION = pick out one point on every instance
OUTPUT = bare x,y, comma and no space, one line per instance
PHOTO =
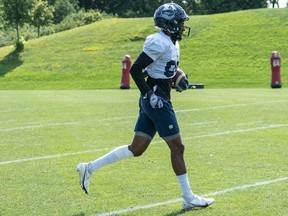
182,85
154,100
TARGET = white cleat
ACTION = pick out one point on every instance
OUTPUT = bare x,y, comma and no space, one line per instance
196,201
84,174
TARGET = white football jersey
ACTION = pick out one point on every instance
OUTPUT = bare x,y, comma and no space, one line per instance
165,54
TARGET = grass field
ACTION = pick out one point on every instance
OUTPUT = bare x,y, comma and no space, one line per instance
236,151
60,105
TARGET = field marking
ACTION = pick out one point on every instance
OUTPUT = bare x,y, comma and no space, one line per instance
4,109
249,123
238,131
119,118
203,123
232,131
5,121
156,142
52,156
223,191
231,105
65,123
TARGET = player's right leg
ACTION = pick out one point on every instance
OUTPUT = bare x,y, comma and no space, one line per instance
144,133
84,175
85,170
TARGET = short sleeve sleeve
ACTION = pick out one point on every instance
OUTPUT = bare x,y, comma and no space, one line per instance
153,47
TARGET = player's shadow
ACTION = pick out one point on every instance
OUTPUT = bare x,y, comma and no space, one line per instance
176,213
182,211
79,214
10,62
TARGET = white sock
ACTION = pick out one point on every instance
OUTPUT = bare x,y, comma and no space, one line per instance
185,186
115,155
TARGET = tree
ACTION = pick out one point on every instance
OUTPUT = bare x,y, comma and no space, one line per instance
87,4
145,8
274,2
42,15
62,9
221,6
1,14
17,12
251,4
191,6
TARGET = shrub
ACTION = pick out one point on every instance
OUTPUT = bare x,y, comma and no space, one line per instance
5,39
19,45
73,20
91,16
78,19
47,30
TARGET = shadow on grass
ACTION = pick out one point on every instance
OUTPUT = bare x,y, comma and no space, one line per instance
176,213
182,211
80,214
10,62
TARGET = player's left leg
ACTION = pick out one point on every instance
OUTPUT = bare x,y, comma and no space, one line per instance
177,155
190,200
168,129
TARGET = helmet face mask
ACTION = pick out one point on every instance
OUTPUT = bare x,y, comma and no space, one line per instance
187,29
170,17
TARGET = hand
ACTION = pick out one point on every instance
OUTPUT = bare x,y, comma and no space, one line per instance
154,100
182,85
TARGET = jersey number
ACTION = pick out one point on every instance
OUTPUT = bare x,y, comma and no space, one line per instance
170,68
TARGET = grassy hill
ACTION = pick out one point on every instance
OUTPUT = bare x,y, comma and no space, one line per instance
223,50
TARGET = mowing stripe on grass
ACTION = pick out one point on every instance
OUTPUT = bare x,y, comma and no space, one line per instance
223,191
187,138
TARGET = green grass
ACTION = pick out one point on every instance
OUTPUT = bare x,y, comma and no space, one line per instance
229,50
233,137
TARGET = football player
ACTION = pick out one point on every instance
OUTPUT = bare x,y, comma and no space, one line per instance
152,72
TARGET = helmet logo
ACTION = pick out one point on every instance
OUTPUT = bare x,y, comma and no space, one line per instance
168,12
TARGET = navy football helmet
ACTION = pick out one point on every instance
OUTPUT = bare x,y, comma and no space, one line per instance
170,17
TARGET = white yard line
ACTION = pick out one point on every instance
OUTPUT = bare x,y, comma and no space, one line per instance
186,138
51,156
223,191
249,123
66,123
125,117
5,121
232,131
203,123
231,105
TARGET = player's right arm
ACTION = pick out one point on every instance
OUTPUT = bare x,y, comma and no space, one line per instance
142,62
136,72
